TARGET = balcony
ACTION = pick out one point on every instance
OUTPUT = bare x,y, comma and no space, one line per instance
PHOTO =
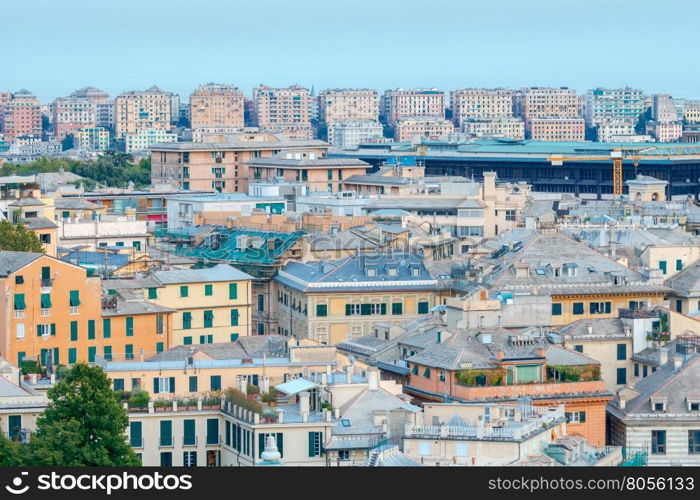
46,285
45,312
19,313
74,310
189,440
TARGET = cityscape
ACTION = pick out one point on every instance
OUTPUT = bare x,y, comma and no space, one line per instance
292,275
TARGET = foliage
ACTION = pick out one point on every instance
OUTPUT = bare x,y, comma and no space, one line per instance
211,398
568,373
162,403
30,366
474,377
326,405
252,389
113,168
12,452
62,371
84,424
17,238
268,397
238,398
139,398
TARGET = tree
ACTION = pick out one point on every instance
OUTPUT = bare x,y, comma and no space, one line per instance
17,238
12,453
84,424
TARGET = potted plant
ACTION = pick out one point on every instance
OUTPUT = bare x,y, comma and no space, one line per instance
269,398
211,401
138,400
30,366
162,405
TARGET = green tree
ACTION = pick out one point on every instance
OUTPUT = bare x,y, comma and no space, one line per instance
12,453
84,424
17,238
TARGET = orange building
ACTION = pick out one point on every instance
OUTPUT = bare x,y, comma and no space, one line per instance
51,310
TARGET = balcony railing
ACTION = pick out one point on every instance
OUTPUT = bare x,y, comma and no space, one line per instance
45,312
19,313
75,309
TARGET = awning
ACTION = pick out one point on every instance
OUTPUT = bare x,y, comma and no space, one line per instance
296,386
74,298
45,300
19,302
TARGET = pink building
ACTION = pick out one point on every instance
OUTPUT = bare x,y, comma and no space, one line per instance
400,104
21,115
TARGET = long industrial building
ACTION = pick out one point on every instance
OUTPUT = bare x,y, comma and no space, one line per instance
582,168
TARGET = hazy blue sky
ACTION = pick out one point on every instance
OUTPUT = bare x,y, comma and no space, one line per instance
53,47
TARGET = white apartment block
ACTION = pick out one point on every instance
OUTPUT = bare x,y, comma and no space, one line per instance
411,103
666,131
341,105
91,138
490,128
350,134
602,105
609,129
432,128
145,138
560,129
471,104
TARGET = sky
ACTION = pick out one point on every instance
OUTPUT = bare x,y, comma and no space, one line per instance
54,47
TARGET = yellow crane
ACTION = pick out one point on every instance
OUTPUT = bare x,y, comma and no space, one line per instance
616,155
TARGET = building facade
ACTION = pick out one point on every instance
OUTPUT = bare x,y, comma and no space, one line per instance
147,109
20,115
410,103
283,110
430,128
215,106
477,104
350,134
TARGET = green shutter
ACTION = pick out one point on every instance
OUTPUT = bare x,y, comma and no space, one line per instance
92,351
348,309
135,432
74,298
186,320
53,328
261,444
19,302
208,290
106,328
156,385
397,308
234,317
208,319
172,384
233,291
159,346
45,300
108,352
56,358
312,445
72,355
129,326
187,340
152,293
321,310
129,351
382,308
74,330
423,307
365,309
91,329
184,291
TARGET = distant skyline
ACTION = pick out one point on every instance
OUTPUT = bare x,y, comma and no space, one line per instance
53,48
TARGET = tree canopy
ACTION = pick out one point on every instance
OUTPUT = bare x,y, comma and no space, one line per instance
17,238
84,424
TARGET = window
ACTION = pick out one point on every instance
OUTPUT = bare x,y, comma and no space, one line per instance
189,458
72,355
261,302
426,373
212,431
234,317
232,291
208,319
208,290
129,326
636,369
352,309
679,306
19,330
118,384
344,454
215,383
186,320
679,265
166,459
662,266
74,330
136,434
621,352
184,291
556,309
45,300
152,293
321,310
91,329
20,305
575,417
159,346
107,352
19,279
600,307
129,351
658,442
461,449
92,352
315,441
622,375
159,324
106,328
163,385
261,329
234,337
693,442
193,383
510,215
578,308
397,308
74,298
423,307
206,339
189,437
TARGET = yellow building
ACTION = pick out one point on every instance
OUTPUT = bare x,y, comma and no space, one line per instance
216,105
333,301
213,305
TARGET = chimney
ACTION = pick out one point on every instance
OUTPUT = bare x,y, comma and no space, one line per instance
348,374
590,328
372,379
677,363
483,294
541,353
500,354
622,401
304,404
663,356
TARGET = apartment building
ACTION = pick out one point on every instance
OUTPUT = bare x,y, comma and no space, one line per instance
144,138
143,109
663,109
659,416
320,173
216,105
494,128
88,233
91,138
212,305
333,301
20,115
347,105
612,130
283,110
190,211
691,110
556,129
666,131
77,111
408,129
412,103
350,134
477,104
20,403
221,166
604,105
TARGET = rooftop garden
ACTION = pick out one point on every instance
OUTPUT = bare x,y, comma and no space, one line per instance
482,378
568,373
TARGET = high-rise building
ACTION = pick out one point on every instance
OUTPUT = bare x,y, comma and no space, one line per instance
283,110
549,113
603,105
216,105
475,104
340,105
412,103
664,109
147,109
20,115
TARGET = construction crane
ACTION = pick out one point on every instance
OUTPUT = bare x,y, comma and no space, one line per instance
616,155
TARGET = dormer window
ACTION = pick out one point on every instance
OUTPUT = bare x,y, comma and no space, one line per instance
693,403
658,405
415,271
557,271
393,271
371,271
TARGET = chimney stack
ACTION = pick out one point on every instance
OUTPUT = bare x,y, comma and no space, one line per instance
622,401
677,363
372,379
304,402
663,356
348,374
